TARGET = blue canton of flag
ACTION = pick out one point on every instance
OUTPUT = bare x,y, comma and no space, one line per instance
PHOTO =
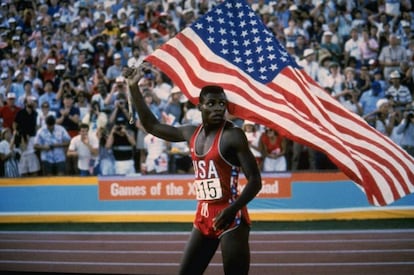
235,32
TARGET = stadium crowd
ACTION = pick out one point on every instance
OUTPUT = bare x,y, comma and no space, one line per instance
63,99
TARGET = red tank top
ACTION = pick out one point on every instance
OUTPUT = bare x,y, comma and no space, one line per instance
216,179
216,186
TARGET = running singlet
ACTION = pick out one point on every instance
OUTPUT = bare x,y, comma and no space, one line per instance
216,183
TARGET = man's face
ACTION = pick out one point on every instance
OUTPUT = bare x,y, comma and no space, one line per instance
213,108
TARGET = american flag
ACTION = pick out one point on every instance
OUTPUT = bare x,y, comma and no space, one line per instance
230,46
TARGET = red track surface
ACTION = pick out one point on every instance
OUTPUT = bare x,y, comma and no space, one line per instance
295,252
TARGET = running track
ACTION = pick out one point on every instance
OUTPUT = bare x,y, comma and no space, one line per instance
292,252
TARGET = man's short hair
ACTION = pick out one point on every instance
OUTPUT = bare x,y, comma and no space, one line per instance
210,89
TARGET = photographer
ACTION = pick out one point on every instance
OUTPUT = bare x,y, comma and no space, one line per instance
122,142
406,130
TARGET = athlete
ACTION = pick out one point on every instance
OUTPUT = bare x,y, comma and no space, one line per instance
219,150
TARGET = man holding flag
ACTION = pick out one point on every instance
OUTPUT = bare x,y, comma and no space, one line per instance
219,150
231,47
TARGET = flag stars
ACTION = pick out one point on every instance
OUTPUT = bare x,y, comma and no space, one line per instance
211,40
199,26
246,43
259,49
274,67
256,40
238,60
247,52
223,42
210,29
222,31
249,61
225,51
221,20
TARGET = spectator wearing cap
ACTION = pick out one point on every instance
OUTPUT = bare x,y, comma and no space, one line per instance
4,86
121,141
25,125
309,64
16,86
369,98
334,49
49,72
172,113
52,140
115,69
391,56
8,112
110,29
118,89
400,93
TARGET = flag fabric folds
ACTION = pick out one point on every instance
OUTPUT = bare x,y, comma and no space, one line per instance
231,47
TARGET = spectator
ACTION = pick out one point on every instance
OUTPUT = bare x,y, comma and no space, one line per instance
406,130
51,140
85,147
273,148
49,96
17,85
353,48
122,141
156,161
118,91
42,113
391,56
179,158
7,154
309,64
9,111
81,102
253,137
115,69
106,157
68,115
334,49
28,92
383,118
95,118
173,112
401,94
369,98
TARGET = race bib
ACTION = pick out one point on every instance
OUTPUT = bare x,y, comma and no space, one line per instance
208,189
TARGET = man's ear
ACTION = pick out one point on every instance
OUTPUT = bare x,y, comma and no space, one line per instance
199,106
